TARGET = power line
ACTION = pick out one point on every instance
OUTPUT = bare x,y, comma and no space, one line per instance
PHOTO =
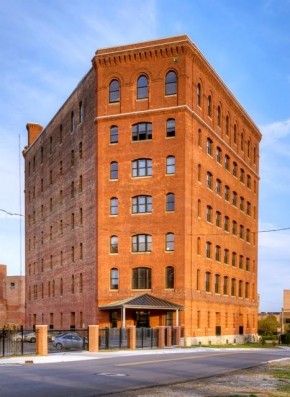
195,234
10,213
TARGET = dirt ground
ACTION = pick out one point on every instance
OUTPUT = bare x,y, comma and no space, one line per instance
255,382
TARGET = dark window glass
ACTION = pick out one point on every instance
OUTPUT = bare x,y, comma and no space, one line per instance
169,277
141,167
171,83
114,283
141,131
114,91
114,170
141,278
170,202
142,87
198,94
142,243
114,207
170,128
169,242
114,134
170,165
141,204
114,244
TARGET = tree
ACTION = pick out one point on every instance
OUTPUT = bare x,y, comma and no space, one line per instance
268,325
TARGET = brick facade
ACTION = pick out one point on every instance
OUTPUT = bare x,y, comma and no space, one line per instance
12,299
214,228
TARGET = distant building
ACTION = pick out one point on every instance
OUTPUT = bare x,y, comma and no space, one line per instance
285,315
141,199
12,298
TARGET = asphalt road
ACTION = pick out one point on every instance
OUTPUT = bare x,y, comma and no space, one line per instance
99,377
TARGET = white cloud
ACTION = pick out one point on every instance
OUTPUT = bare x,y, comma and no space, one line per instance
274,132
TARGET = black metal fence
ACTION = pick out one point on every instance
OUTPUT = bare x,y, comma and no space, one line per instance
22,342
17,343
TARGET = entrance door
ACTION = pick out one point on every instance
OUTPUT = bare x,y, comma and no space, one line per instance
142,320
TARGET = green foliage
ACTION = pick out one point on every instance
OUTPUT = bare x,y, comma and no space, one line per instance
268,326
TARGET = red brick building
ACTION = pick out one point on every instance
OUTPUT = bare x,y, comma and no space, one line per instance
12,299
142,199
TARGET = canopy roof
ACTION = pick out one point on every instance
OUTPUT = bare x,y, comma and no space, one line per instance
144,301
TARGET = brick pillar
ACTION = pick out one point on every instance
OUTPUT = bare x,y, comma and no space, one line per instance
161,337
132,337
93,338
168,341
177,331
41,340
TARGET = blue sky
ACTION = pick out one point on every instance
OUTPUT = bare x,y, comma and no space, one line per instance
46,47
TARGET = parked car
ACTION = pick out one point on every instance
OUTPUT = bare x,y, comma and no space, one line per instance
27,337
69,341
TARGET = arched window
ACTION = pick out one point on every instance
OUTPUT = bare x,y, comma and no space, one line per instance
198,94
114,134
240,288
209,180
170,202
142,243
219,116
234,228
141,204
209,106
234,259
233,287
141,131
142,87
141,278
169,242
218,253
209,146
217,283
114,244
218,218
114,278
226,285
72,122
81,112
209,214
170,165
207,281
114,206
227,125
114,170
227,193
169,277
208,249
114,91
171,83
242,141
141,167
218,187
218,155
226,256
170,128
235,134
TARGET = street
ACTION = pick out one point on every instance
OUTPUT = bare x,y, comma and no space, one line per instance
118,373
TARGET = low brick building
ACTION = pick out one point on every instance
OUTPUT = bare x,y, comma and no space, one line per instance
142,199
12,298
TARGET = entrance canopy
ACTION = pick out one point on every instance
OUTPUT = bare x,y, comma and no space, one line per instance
142,302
